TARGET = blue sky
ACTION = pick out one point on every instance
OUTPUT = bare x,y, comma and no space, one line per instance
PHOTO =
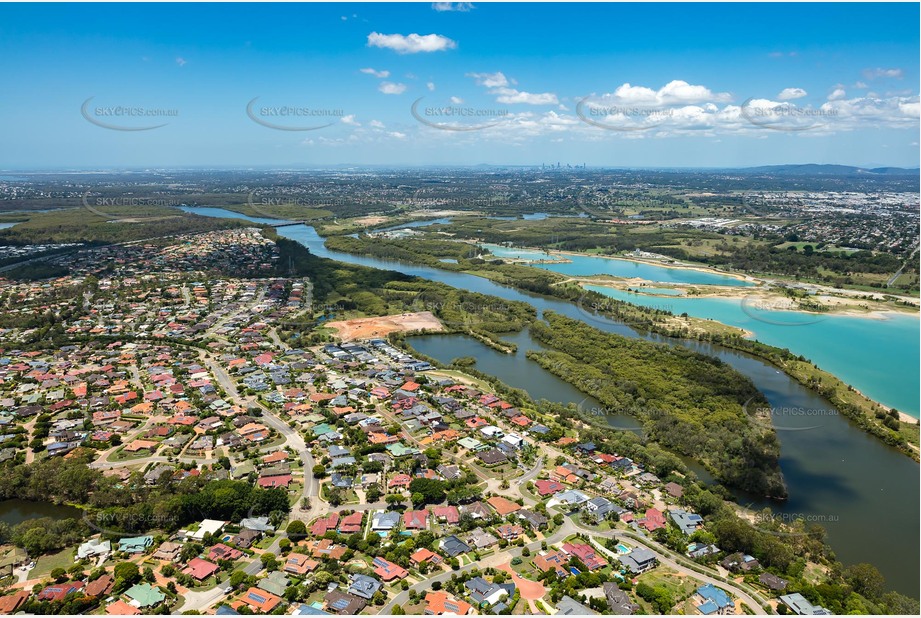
655,85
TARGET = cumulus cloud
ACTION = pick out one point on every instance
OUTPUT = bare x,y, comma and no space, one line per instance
674,92
837,94
879,72
512,96
392,88
411,43
377,74
490,80
460,7
456,100
501,86
350,120
788,94
430,86
377,124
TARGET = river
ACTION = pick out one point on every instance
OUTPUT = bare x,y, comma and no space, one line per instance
878,357
865,493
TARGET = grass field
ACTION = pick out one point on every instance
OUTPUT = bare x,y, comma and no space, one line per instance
44,565
679,586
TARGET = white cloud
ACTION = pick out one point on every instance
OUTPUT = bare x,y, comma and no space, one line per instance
411,43
397,135
350,120
456,100
861,85
378,74
392,88
499,85
430,86
788,94
377,124
460,7
490,80
512,96
837,94
674,92
878,72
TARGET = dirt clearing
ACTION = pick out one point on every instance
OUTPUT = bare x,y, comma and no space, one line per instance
368,328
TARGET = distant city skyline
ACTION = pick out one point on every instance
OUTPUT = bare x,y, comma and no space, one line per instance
454,84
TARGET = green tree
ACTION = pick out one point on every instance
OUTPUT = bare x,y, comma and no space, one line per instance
127,572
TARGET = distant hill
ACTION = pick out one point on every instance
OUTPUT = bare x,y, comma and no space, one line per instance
814,169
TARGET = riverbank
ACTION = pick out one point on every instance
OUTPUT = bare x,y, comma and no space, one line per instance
667,320
661,262
762,299
849,299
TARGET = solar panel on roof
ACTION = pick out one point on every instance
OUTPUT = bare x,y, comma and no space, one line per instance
257,598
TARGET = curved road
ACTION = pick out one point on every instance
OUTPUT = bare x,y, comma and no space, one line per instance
569,528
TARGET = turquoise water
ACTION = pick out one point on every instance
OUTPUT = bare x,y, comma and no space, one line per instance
518,254
587,265
877,357
412,224
662,291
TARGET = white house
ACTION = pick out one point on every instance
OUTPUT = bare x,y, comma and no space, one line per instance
207,526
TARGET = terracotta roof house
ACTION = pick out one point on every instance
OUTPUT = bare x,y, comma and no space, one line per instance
270,482
351,524
324,524
400,480
654,520
200,569
448,514
503,506
554,560
325,549
415,520
387,570
224,552
585,553
260,601
300,564
12,602
56,592
120,608
100,587
547,487
276,457
440,603
425,555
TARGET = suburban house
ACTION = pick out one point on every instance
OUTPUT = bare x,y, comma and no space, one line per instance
441,603
618,600
800,606
714,601
639,560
